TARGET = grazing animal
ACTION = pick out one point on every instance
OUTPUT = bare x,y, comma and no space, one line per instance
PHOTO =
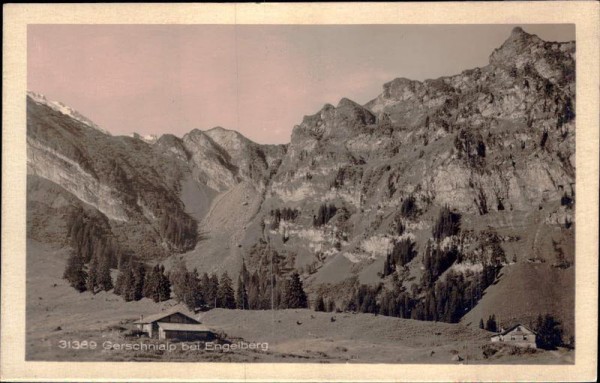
298,322
332,319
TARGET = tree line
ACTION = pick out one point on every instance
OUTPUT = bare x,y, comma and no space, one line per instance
448,300
180,230
93,245
443,294
137,280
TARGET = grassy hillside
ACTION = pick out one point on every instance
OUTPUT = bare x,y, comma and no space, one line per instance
57,312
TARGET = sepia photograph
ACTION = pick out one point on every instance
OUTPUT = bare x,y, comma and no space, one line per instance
260,194
428,218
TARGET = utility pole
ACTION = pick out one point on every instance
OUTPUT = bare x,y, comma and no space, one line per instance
272,286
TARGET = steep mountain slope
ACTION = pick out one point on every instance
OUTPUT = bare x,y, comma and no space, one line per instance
494,144
475,169
117,176
153,195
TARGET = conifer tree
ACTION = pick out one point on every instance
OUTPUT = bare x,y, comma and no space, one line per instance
205,287
491,324
282,287
225,295
197,293
139,275
120,283
164,286
549,332
387,266
213,289
104,278
92,279
331,306
295,297
319,303
123,261
447,224
253,292
178,277
128,283
191,290
151,284
75,273
408,208
241,296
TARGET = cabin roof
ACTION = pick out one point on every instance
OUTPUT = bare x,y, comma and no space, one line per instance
510,329
157,317
182,327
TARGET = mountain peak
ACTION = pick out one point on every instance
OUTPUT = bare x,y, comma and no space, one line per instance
220,134
518,31
220,129
64,109
518,34
345,102
518,43
196,132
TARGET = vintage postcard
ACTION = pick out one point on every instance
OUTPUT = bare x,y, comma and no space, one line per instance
275,192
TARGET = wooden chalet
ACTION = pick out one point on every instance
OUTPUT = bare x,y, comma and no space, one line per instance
518,335
174,325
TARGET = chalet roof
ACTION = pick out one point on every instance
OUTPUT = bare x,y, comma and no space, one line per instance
510,329
182,327
157,317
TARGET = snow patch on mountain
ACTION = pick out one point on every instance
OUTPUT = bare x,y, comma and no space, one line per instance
149,138
67,111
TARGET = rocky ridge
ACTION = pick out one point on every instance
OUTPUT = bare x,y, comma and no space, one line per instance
495,144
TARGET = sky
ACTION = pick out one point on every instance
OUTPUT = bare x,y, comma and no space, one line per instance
258,79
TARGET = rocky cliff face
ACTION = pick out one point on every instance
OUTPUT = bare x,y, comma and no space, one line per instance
495,139
494,144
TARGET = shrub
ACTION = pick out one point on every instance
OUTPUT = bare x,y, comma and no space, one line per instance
566,200
489,350
134,333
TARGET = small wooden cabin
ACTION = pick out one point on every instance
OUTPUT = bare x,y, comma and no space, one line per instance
517,335
184,332
151,325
